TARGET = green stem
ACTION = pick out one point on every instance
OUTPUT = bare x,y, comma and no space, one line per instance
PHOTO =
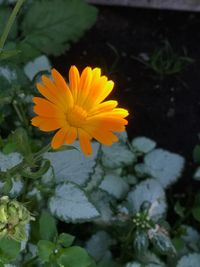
30,262
23,165
41,152
17,111
10,23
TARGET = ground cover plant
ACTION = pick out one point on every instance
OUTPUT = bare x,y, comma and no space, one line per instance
82,203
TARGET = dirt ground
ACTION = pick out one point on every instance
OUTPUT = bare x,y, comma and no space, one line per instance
166,110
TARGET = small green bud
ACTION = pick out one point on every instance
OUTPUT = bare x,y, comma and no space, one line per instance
13,219
142,220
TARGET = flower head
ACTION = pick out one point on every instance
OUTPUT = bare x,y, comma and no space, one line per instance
13,219
76,110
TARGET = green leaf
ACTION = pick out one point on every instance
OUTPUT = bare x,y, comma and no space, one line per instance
7,186
9,147
178,243
50,25
75,257
9,249
45,249
21,141
66,240
47,224
28,52
179,209
196,154
196,213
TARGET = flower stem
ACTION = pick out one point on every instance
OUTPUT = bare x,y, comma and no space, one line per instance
10,23
42,151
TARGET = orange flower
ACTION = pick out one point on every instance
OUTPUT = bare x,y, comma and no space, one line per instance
77,110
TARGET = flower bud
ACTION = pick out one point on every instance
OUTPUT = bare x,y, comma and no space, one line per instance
13,219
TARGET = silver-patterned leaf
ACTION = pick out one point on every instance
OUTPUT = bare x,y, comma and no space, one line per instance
96,178
165,166
143,144
72,166
197,174
117,155
17,186
98,245
151,191
136,264
9,161
102,201
191,238
70,204
190,260
115,186
133,264
39,64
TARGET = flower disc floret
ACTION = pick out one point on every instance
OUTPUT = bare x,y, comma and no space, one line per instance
77,111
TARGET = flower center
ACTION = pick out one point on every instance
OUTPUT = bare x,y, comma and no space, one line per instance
76,116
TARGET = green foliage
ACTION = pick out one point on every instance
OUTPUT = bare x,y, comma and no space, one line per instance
165,61
61,252
47,226
9,249
196,154
66,22
65,240
75,257
45,249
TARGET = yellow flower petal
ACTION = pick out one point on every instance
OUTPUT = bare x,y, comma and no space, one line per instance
84,87
58,139
71,135
104,137
103,107
45,108
63,88
46,124
74,80
104,92
51,95
85,144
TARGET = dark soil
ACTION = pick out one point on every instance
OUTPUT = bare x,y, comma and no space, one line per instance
166,110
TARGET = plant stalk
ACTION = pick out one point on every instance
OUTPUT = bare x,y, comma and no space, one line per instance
10,23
